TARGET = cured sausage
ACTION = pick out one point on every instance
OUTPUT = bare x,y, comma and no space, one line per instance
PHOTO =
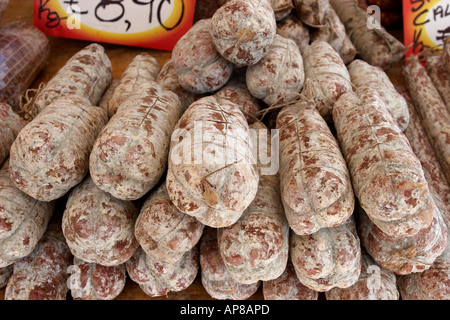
256,247
86,74
315,183
98,227
42,275
376,45
199,66
329,258
432,110
10,125
143,69
130,154
51,154
387,176
243,30
23,220
25,51
326,77
364,75
212,171
164,232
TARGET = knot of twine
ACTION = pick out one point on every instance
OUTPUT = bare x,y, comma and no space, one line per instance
27,109
277,105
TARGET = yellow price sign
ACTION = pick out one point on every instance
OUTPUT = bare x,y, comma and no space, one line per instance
156,24
426,24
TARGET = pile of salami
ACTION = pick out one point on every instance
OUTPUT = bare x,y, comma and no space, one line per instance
271,152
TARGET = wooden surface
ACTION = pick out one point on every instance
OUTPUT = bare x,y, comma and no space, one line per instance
121,56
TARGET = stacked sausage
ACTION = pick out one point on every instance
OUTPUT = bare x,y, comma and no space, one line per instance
171,171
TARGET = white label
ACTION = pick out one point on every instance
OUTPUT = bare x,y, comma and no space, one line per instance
437,24
118,16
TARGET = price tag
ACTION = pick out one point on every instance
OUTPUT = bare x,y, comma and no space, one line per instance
156,24
426,24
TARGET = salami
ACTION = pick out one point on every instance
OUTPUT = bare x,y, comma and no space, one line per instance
25,51
281,8
404,255
212,171
279,75
10,125
422,148
86,74
158,279
51,153
363,75
130,154
374,45
256,247
98,227
143,69
91,281
237,92
168,79
312,12
23,220
243,30
433,283
374,283
432,110
326,77
106,97
315,183
288,287
199,66
440,77
446,54
42,275
216,279
329,258
333,32
164,232
387,176
293,28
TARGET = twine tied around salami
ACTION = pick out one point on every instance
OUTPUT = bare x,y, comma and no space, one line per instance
408,255
334,74
8,127
210,177
300,96
333,29
209,194
27,110
251,116
289,5
276,105
247,114
376,31
245,35
312,10
433,51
